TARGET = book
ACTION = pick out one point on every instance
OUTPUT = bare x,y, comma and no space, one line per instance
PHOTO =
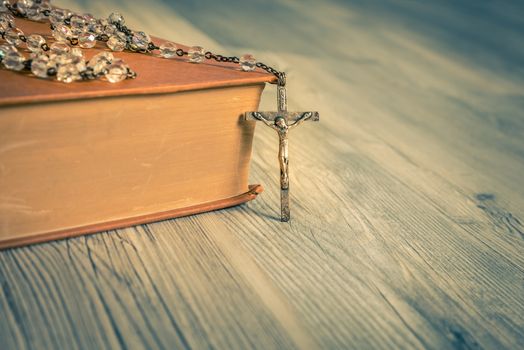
93,156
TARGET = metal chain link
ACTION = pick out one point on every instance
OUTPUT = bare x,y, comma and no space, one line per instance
281,76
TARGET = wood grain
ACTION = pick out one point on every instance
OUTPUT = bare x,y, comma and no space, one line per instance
407,199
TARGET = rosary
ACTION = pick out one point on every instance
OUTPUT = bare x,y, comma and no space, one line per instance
64,61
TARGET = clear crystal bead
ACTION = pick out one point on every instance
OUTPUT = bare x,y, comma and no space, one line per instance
78,61
57,16
34,42
77,21
99,62
248,63
96,28
103,56
42,7
40,65
121,35
87,40
118,60
12,36
75,32
116,72
140,41
89,18
5,49
168,49
59,48
110,29
196,54
4,24
62,32
59,59
115,43
116,18
75,51
9,18
13,60
22,6
67,73
3,6
33,13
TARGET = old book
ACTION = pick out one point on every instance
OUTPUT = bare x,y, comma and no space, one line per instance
91,156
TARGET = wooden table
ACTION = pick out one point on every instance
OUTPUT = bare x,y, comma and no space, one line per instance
407,198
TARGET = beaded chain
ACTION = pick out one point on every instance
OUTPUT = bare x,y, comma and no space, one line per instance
64,61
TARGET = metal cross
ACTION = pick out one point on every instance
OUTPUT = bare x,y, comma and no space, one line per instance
282,121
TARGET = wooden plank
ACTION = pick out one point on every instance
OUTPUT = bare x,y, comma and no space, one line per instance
407,204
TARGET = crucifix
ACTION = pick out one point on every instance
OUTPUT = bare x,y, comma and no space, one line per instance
282,121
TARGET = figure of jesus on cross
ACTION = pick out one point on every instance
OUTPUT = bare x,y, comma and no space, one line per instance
283,121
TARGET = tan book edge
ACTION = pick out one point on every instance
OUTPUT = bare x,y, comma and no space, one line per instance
93,156
254,190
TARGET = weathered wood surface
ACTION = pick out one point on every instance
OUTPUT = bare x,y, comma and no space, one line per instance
408,198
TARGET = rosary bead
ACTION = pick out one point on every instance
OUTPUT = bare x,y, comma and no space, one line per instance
44,7
75,51
59,48
78,61
23,6
61,32
77,21
116,18
196,54
39,66
4,24
110,29
116,72
6,21
58,60
12,36
248,63
5,49
103,56
13,60
115,43
140,41
95,27
34,42
57,16
89,20
87,40
33,12
99,62
7,15
3,6
168,49
67,73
